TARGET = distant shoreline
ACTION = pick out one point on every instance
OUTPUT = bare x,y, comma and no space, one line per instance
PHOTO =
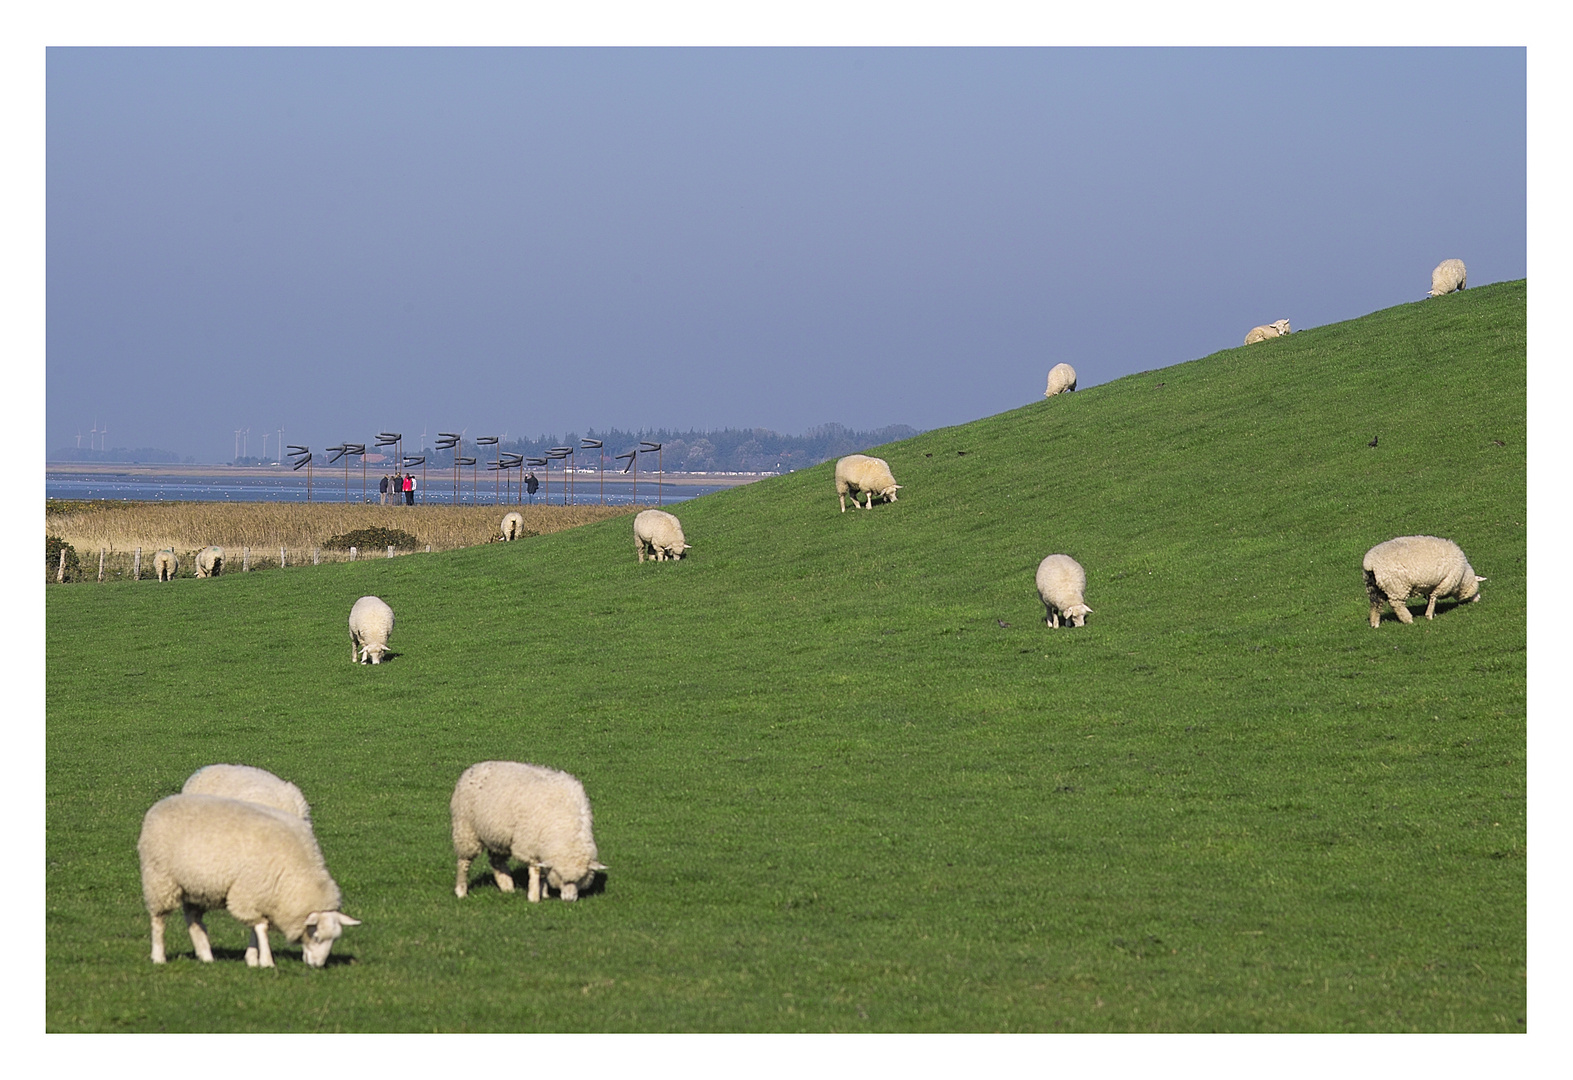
148,469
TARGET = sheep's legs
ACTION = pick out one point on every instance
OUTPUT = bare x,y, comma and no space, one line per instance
534,893
1401,609
844,503
258,952
199,934
500,871
1376,614
870,505
158,939
354,649
462,885
1431,605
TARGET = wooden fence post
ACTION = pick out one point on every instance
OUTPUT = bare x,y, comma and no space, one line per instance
100,566
245,559
281,558
354,554
136,566
60,574
316,557
390,551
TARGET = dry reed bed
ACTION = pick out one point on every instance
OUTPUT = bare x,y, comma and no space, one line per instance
299,528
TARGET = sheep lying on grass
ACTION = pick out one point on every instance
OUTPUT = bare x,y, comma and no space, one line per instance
166,565
860,474
1449,276
1062,380
539,816
660,534
210,561
1271,330
248,784
201,852
512,525
1061,585
371,624
1427,566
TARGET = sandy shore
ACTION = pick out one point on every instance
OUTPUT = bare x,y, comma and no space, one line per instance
435,476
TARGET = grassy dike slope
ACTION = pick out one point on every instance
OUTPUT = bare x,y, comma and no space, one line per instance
835,793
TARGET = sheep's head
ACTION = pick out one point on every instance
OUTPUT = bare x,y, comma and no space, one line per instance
569,886
889,494
1282,326
322,930
1469,586
1077,614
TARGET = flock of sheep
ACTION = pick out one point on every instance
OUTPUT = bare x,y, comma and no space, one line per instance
240,838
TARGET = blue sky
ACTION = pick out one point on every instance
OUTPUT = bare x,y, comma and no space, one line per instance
533,240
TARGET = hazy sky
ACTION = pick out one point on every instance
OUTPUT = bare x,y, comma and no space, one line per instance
537,240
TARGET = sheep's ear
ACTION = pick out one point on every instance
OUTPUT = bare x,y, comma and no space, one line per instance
345,920
597,866
1479,578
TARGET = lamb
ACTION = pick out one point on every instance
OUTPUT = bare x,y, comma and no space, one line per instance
249,784
201,852
210,561
859,474
660,534
371,624
539,816
1061,585
1062,379
1428,566
166,565
1447,277
512,525
1271,330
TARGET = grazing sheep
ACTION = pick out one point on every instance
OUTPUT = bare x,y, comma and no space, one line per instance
1271,330
512,525
539,816
1062,380
210,561
660,534
371,624
1061,585
166,565
1428,566
1447,277
201,852
859,474
248,784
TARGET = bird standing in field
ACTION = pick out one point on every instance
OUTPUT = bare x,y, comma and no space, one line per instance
1373,441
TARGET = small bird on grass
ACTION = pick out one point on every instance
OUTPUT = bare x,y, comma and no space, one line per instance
1373,441
1003,623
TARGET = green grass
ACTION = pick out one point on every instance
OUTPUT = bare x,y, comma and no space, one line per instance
834,792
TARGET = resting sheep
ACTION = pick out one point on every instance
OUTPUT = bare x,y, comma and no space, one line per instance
1271,330
249,784
1061,585
210,561
539,816
512,525
201,852
858,474
1428,566
1447,277
371,624
166,565
660,534
1062,379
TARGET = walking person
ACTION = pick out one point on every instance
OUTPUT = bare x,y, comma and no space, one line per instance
409,489
382,490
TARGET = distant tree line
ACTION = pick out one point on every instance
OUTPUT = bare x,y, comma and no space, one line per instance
141,454
728,450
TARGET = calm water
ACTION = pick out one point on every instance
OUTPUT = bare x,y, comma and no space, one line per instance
291,487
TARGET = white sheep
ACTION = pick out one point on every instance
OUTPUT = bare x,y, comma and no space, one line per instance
210,561
1062,380
660,534
1271,330
539,816
1062,584
248,784
1428,566
512,525
166,565
371,624
859,474
1448,277
202,852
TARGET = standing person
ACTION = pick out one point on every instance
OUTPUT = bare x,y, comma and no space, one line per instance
382,490
409,489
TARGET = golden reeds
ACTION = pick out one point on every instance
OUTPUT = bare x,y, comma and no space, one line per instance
299,528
